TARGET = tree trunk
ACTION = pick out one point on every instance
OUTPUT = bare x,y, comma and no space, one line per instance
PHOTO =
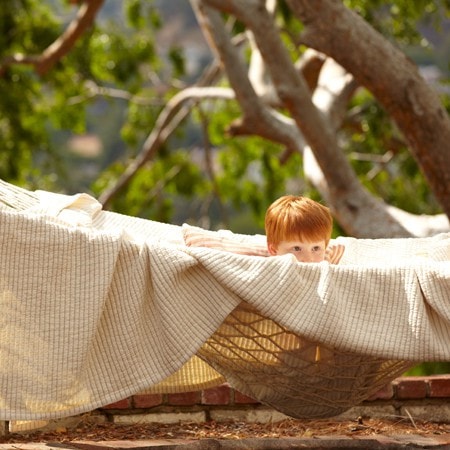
391,77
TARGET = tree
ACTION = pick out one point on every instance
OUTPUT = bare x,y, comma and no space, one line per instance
298,78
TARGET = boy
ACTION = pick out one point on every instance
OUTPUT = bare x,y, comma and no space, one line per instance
298,225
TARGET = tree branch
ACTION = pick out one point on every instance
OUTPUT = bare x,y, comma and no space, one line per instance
257,115
393,79
352,205
174,112
63,45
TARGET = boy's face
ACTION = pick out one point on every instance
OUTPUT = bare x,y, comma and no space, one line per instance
305,252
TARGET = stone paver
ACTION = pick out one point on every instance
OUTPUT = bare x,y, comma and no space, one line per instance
381,442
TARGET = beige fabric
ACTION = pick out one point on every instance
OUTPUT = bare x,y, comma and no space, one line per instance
96,312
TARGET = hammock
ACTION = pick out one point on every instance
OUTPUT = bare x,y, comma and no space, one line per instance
98,306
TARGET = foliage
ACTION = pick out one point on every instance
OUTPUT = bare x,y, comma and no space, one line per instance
118,54
35,109
155,188
381,158
429,368
399,18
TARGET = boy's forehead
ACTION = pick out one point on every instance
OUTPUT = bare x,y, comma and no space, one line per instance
302,236
303,241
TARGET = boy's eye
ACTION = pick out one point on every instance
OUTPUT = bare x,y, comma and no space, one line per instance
316,248
297,248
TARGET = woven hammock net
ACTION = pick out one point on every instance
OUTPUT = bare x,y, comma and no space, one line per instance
248,342
297,377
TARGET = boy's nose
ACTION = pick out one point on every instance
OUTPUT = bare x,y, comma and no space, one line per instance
306,258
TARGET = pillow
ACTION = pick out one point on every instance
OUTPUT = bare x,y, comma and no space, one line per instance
224,240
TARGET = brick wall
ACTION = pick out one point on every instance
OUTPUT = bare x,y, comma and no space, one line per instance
426,398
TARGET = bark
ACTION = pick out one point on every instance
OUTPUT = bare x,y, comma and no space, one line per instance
315,91
357,211
256,115
392,78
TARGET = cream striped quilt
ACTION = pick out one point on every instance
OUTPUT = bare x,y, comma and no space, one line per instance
97,306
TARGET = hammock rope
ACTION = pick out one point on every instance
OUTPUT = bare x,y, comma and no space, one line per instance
256,353
298,377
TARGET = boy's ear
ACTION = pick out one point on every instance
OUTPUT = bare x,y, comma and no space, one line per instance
272,249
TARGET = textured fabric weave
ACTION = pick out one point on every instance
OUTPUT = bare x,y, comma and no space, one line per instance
98,308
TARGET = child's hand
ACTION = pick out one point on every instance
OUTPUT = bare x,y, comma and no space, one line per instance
333,253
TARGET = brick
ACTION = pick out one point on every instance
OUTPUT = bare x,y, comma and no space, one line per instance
385,393
216,396
121,404
147,400
410,388
439,386
185,398
240,399
4,427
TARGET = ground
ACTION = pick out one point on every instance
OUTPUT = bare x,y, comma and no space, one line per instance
232,430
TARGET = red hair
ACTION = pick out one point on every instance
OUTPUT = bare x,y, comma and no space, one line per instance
295,217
